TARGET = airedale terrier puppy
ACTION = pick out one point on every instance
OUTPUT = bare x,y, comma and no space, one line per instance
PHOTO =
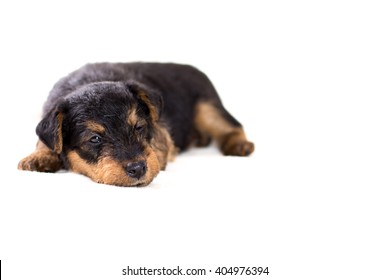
120,123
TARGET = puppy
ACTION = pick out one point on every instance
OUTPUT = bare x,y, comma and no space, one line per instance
120,123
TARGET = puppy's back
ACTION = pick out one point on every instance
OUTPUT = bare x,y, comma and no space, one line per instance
171,80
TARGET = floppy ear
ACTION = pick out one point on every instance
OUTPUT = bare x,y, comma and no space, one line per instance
50,131
151,98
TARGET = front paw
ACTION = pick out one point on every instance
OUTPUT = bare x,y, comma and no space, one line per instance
41,162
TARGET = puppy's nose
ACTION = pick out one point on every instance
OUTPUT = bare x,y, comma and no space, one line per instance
136,169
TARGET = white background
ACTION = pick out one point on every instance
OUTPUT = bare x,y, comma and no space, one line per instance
308,79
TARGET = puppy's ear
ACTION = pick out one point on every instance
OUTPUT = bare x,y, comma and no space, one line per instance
151,98
50,129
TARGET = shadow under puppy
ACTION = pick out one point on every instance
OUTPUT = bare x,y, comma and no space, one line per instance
120,123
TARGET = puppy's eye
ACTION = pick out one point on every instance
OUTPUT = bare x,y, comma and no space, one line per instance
96,139
139,128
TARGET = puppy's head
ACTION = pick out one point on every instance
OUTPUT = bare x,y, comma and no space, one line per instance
106,131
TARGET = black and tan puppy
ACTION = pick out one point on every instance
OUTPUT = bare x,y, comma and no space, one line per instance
119,123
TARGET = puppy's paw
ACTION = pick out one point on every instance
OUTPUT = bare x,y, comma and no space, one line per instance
239,148
235,144
41,161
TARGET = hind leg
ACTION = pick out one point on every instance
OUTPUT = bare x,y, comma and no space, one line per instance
201,139
213,120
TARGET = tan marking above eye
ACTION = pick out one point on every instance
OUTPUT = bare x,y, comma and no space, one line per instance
132,117
95,127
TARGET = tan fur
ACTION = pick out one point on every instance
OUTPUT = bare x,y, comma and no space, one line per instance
235,143
132,117
95,127
163,146
109,171
230,139
152,109
58,143
42,159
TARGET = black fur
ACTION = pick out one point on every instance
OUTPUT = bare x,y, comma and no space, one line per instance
176,88
120,123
